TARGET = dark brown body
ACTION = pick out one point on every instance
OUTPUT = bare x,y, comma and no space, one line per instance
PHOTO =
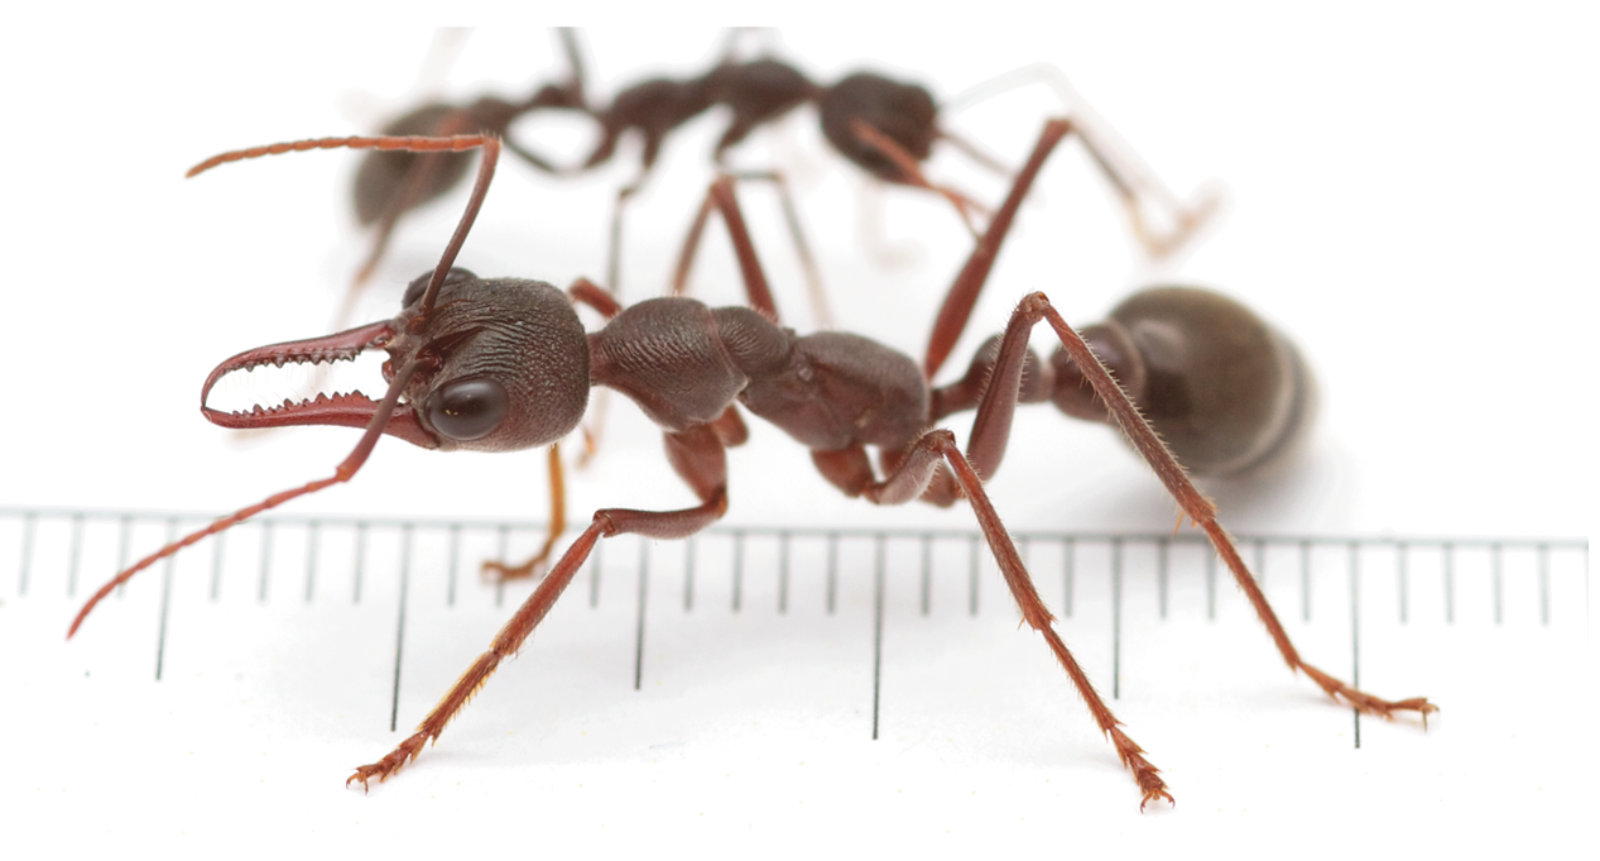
503,364
1227,392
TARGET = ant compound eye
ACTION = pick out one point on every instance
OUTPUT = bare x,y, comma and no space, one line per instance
467,409
419,286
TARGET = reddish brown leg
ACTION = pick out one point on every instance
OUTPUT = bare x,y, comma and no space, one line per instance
497,571
1136,185
721,196
697,456
586,292
994,416
911,173
963,295
908,479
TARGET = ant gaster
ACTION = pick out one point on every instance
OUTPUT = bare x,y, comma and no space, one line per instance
503,364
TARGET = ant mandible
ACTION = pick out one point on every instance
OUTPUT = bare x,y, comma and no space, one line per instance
504,364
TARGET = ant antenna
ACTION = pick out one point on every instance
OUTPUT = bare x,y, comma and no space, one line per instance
381,334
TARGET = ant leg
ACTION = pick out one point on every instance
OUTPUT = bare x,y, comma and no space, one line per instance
1186,220
963,295
721,195
1134,181
976,153
993,421
850,470
697,455
497,571
911,174
614,252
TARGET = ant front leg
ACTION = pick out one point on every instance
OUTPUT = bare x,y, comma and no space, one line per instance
697,456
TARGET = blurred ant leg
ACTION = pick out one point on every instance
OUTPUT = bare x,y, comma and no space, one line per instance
498,571
994,410
614,252
911,173
980,156
850,470
697,456
577,81
1135,182
1185,219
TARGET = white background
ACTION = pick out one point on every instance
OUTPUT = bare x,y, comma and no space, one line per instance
1410,192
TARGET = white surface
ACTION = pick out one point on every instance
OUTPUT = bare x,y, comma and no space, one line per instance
1410,196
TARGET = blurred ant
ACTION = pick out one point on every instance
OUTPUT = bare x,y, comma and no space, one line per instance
884,126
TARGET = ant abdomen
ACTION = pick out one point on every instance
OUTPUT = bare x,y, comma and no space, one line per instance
1226,392
905,113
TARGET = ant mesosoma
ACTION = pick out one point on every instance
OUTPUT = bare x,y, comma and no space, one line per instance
504,364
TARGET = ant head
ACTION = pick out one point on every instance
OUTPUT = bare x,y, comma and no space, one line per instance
499,365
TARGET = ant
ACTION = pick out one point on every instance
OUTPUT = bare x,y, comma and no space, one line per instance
884,126
503,364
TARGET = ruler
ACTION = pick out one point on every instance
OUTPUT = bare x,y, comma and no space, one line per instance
839,648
